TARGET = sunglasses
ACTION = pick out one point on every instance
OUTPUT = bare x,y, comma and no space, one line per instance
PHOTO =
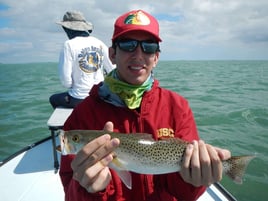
130,45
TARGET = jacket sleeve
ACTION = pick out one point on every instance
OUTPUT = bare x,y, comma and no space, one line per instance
177,187
73,190
186,129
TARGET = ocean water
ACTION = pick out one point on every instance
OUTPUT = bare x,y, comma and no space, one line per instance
229,100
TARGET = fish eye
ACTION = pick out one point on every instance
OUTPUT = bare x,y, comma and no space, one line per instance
75,138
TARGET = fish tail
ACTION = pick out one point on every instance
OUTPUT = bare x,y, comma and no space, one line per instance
235,167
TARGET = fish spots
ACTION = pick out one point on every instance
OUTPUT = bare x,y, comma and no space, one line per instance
235,167
140,153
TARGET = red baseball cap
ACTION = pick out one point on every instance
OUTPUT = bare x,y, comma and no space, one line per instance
136,20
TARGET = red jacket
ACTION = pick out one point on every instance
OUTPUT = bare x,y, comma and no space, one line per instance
163,113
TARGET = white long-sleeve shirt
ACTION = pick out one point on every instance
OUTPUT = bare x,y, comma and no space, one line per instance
82,63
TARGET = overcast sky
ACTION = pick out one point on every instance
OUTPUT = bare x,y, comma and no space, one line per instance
190,30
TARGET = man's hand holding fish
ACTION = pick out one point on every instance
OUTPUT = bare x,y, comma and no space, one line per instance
90,166
202,163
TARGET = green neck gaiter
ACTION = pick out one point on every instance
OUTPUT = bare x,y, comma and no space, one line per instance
130,94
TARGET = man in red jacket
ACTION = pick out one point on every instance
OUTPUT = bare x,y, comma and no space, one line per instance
130,100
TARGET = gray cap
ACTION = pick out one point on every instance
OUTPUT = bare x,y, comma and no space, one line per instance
75,20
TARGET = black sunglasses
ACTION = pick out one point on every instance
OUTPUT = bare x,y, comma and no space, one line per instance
130,45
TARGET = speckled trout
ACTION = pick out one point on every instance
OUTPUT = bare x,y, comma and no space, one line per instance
140,153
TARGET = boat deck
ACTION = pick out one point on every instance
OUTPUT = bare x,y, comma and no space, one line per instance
31,176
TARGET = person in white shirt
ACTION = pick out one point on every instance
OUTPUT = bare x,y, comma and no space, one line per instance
83,61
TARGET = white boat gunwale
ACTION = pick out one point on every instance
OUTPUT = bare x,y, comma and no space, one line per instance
22,150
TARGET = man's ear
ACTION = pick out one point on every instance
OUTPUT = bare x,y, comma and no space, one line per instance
156,58
112,55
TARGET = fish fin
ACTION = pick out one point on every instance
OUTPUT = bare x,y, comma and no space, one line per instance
125,177
235,167
122,172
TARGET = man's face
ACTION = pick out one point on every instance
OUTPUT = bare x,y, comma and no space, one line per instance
134,67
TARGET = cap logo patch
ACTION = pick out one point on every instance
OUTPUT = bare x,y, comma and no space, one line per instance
137,18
